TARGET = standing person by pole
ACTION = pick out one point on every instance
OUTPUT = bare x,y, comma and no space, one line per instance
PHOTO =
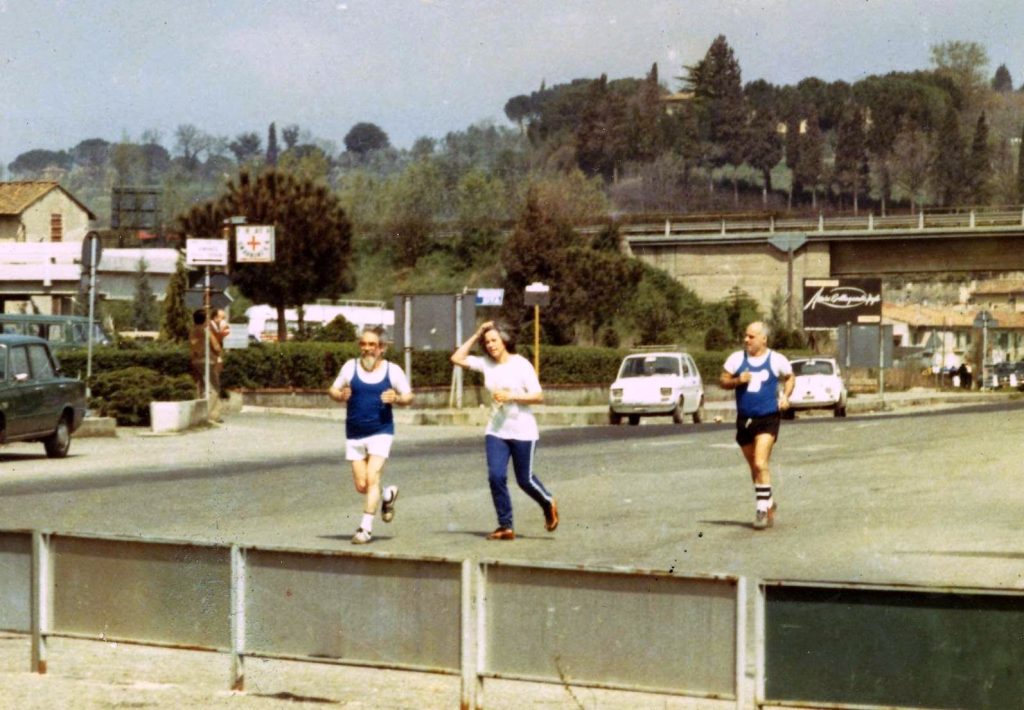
370,386
512,430
755,373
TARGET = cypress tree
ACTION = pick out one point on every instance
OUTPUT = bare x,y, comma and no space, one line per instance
1020,166
948,166
176,321
978,167
145,315
272,150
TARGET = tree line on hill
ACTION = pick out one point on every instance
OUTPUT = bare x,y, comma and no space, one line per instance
494,206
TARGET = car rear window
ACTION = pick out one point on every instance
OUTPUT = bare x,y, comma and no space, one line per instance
813,367
647,366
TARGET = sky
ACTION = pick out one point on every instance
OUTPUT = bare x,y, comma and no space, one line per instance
77,69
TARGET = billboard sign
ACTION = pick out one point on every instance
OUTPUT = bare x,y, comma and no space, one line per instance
206,252
830,303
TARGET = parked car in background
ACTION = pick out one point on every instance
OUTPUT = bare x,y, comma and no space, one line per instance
656,383
37,403
61,331
1004,375
818,385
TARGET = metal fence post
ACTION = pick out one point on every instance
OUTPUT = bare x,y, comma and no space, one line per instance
481,634
238,582
42,595
741,643
469,638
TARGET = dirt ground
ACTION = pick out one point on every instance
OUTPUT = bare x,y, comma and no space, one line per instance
91,675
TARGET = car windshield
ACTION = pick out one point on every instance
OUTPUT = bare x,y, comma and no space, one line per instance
646,366
813,367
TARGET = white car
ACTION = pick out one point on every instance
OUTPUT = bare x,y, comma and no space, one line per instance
818,385
656,384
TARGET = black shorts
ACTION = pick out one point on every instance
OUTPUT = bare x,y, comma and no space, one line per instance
747,428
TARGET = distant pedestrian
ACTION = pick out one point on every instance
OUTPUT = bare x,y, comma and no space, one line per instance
512,431
755,373
369,386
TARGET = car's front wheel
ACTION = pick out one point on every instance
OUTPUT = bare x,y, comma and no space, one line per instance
58,443
634,419
698,415
614,418
839,410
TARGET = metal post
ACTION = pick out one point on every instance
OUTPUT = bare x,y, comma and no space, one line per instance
741,643
238,580
536,339
920,218
984,351
668,226
481,633
206,335
789,290
871,221
881,363
407,336
457,371
92,310
42,586
467,649
849,343
973,222
821,222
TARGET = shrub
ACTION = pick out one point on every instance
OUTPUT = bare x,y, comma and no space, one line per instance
125,394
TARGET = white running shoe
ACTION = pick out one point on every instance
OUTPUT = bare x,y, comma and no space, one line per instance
361,537
387,511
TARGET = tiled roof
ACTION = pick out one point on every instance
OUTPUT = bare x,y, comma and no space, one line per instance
926,316
16,197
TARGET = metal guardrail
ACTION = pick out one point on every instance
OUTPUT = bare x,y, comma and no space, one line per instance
836,645
619,629
769,224
656,632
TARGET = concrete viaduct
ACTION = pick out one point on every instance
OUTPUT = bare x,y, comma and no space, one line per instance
763,256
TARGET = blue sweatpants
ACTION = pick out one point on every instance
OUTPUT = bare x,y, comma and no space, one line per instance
499,451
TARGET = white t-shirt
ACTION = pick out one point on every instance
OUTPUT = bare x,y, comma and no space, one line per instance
509,420
779,363
399,382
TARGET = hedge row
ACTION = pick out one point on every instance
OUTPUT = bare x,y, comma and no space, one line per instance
315,365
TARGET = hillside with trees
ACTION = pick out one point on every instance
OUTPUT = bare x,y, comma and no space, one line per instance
493,206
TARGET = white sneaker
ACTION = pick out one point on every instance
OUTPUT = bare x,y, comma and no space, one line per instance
387,510
361,537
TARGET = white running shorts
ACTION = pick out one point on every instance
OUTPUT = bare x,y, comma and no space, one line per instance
375,445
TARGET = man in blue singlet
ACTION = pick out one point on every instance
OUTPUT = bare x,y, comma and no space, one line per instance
369,386
755,373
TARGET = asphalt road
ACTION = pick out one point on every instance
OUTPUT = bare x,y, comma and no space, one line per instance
926,498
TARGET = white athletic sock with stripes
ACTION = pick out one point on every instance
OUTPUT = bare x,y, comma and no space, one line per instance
764,497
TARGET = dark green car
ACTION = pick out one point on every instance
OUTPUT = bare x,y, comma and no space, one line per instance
37,403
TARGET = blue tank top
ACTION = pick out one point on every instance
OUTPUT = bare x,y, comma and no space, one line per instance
759,397
367,415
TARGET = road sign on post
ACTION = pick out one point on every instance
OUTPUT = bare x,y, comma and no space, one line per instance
206,252
984,320
254,244
537,295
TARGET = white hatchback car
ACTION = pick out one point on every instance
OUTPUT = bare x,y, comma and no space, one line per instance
818,385
656,384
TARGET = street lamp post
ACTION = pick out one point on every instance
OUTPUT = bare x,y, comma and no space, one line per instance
537,295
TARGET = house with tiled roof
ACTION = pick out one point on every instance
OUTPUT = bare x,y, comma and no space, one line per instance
949,332
41,211
1005,294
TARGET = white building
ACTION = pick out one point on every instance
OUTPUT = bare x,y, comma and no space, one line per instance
361,314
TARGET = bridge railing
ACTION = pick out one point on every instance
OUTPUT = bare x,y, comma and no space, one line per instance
970,219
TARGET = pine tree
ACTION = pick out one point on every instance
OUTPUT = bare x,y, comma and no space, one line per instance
851,155
272,150
1020,167
978,168
176,321
810,165
1002,81
948,165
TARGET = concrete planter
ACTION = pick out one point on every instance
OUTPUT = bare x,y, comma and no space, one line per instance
167,417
